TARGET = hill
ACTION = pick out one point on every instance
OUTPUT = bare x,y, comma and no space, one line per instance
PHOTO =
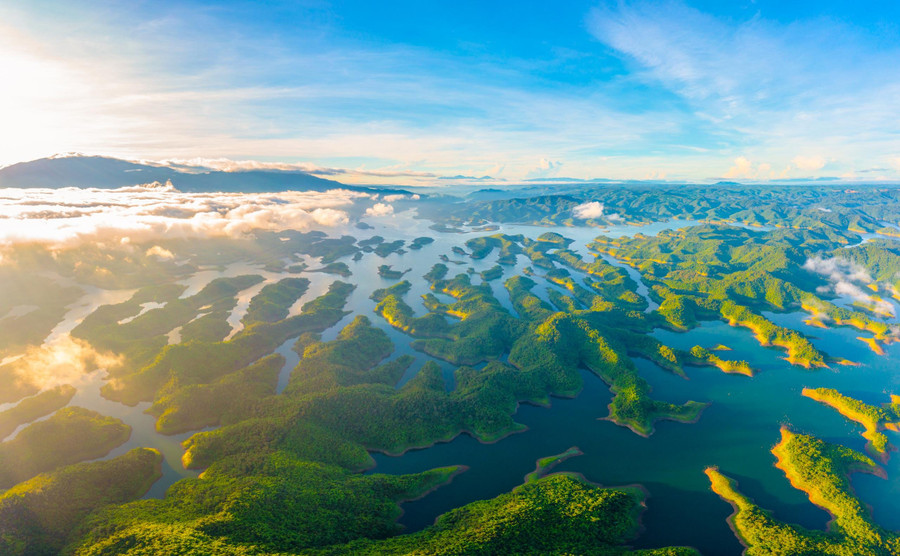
110,173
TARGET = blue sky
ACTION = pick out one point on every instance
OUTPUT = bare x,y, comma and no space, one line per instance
410,91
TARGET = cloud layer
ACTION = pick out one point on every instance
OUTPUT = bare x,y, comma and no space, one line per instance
70,215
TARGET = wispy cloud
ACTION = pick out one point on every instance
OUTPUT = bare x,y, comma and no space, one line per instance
843,277
776,91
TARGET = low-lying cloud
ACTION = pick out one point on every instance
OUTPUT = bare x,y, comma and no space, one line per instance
843,277
838,269
586,211
380,209
400,197
68,216
65,360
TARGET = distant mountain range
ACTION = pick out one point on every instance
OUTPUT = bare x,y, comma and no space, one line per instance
110,173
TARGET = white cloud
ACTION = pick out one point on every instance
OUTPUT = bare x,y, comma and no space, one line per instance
139,214
809,163
742,168
592,209
838,269
161,252
380,209
842,274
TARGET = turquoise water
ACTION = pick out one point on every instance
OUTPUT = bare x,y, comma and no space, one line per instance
735,433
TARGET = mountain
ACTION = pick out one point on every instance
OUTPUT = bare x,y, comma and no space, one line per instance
109,173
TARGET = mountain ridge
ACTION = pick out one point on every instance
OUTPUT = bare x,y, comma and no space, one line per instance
74,170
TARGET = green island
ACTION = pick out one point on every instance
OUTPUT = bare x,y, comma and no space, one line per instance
544,465
388,247
34,407
821,471
70,435
420,242
716,271
703,356
339,268
274,301
873,419
385,271
492,273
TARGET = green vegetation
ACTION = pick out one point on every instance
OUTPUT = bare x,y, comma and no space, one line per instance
71,435
123,329
545,351
872,418
703,356
369,244
820,470
253,504
177,366
282,470
324,366
42,515
386,248
509,247
228,399
399,289
420,242
560,514
706,272
31,408
492,273
437,272
831,208
385,271
339,268
274,301
544,465
800,351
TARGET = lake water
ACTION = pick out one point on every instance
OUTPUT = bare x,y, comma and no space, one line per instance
735,433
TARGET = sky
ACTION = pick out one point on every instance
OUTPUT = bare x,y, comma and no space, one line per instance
419,93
